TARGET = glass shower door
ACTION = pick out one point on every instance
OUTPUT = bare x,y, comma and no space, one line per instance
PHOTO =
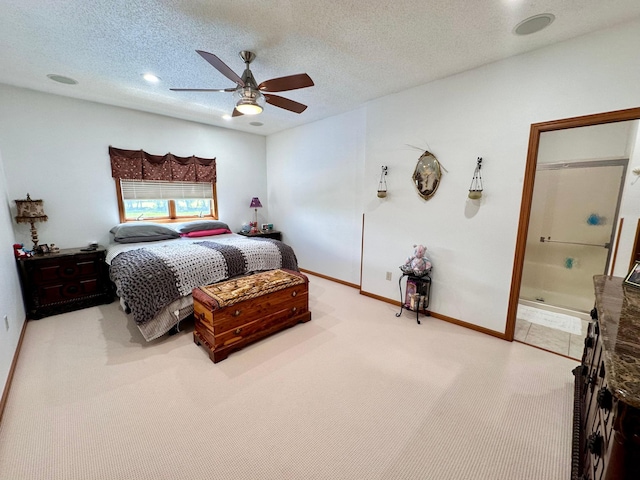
573,217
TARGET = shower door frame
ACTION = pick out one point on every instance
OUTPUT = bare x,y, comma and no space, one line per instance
527,193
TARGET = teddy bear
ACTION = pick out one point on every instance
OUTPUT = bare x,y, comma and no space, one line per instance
417,264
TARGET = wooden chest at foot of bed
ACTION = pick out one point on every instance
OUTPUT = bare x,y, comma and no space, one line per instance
232,314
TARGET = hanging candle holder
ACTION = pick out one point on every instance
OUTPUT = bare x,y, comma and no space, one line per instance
475,190
382,186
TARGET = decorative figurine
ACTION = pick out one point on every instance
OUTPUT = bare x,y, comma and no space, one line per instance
417,264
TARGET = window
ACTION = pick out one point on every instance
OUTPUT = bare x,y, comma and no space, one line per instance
165,201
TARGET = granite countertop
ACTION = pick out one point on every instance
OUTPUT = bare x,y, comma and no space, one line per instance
619,317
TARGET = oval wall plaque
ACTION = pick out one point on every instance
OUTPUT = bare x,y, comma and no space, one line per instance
427,174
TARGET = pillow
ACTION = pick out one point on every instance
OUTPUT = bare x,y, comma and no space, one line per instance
142,232
199,225
206,233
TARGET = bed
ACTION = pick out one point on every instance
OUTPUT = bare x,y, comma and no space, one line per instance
154,279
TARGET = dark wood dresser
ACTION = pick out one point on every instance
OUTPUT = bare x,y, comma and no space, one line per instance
274,234
71,279
606,422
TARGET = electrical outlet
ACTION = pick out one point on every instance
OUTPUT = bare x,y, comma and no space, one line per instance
389,276
6,322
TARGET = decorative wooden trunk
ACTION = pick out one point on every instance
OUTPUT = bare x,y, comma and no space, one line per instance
235,313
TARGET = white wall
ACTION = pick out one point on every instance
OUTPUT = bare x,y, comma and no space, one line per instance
315,177
56,149
629,207
485,112
10,295
584,144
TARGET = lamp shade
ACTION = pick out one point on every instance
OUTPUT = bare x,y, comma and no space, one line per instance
255,203
248,107
30,211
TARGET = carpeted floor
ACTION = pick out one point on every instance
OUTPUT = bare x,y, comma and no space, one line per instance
354,394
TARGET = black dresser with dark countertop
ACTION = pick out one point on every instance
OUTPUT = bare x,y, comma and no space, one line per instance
606,426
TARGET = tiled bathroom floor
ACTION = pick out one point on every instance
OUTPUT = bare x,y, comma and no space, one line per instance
551,339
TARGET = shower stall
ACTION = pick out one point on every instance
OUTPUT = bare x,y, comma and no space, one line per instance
572,225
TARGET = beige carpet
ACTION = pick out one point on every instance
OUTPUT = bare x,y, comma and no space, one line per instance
354,394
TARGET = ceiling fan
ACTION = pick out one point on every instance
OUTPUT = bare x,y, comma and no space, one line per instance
249,95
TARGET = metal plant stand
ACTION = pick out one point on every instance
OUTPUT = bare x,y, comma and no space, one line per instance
422,293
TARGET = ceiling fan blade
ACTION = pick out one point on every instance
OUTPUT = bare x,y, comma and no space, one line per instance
285,103
236,113
221,67
203,89
281,84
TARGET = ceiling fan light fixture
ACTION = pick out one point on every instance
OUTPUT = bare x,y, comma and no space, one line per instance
250,101
247,93
248,107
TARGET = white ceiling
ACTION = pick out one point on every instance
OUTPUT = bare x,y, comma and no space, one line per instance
354,51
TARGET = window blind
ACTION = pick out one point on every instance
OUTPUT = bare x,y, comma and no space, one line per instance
158,190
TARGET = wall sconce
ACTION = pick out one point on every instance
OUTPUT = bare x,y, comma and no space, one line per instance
31,211
475,190
382,186
255,204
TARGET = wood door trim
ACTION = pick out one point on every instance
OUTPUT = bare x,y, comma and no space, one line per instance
527,193
635,247
612,266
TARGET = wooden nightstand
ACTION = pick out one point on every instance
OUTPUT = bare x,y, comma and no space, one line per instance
274,234
71,279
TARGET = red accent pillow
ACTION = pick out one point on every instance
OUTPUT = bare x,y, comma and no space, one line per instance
206,233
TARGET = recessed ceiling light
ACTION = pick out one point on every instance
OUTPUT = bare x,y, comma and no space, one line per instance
150,77
62,79
534,24
256,124
226,116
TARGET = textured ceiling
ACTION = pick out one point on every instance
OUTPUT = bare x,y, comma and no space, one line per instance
354,51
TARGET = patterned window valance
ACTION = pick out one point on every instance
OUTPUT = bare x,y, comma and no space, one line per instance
140,165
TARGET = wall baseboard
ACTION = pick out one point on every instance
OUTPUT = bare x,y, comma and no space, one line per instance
7,387
455,321
352,285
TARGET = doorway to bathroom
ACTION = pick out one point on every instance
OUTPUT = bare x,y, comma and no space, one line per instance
569,231
574,213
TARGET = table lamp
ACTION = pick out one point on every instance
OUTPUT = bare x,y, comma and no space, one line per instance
31,211
255,204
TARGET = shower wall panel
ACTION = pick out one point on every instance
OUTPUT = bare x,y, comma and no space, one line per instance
573,211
